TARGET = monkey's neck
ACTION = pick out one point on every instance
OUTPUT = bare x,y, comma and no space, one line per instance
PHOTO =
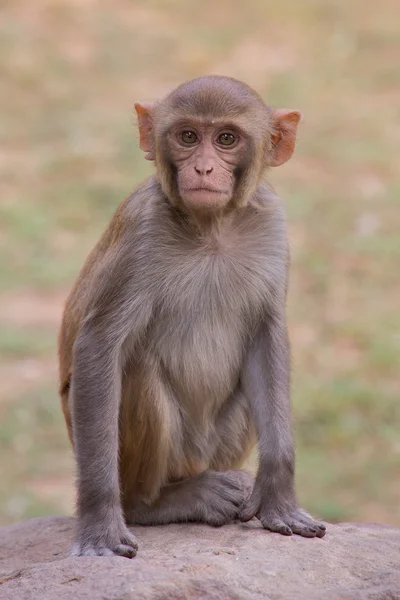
207,222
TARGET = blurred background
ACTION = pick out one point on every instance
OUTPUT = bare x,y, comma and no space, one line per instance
70,72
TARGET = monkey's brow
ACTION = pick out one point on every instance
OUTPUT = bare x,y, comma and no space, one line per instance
217,123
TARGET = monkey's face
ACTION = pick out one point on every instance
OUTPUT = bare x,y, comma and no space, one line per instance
212,138
207,158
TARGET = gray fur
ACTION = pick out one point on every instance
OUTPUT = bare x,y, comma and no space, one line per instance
175,342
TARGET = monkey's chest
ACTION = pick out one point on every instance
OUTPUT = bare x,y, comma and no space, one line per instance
202,325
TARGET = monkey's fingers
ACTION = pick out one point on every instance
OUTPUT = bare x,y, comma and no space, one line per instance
276,525
307,519
293,521
124,550
303,530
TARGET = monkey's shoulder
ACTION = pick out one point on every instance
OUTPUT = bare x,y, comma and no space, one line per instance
142,200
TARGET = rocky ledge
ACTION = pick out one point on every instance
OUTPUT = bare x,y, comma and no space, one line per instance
196,562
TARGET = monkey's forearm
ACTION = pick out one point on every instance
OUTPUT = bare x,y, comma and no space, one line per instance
267,385
96,383
96,390
266,381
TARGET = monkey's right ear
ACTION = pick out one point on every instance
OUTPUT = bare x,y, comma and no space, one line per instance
145,123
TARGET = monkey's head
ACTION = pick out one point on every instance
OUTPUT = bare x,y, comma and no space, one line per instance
212,139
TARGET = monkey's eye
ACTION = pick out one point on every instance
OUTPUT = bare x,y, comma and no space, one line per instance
226,139
189,137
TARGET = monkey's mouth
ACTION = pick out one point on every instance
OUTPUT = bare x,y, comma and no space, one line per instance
204,189
203,196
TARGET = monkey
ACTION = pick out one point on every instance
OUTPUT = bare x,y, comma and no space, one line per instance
173,349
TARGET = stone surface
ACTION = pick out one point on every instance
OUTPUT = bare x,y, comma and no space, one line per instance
196,562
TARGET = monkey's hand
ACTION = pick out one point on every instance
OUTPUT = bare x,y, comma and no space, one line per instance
101,539
279,516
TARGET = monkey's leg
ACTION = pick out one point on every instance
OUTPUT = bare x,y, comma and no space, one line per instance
150,432
235,435
213,497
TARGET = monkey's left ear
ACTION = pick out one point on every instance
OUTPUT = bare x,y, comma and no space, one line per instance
284,123
145,123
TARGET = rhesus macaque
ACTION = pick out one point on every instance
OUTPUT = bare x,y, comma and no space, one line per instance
174,353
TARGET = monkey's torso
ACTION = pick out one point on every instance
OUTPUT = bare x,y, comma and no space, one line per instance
209,301
200,302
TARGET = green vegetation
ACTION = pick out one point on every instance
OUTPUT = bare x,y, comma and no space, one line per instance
70,74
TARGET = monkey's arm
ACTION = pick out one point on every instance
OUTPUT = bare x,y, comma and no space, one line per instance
266,383
115,310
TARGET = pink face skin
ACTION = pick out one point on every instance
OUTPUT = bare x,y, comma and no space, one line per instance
206,156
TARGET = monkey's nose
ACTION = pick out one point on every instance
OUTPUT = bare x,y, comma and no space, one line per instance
203,169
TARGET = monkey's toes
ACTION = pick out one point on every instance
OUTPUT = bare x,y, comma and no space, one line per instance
242,481
248,510
223,495
247,483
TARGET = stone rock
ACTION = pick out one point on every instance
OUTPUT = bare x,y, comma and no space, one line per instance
196,562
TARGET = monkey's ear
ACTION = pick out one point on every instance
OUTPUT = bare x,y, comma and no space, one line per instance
284,123
145,123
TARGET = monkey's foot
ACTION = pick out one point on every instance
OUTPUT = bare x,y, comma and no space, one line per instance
224,493
91,542
213,497
287,522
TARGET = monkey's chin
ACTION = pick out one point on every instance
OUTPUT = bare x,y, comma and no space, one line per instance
201,199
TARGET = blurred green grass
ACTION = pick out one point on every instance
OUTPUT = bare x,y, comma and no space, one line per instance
68,79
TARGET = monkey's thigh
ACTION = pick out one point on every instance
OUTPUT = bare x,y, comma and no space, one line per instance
216,494
235,434
150,431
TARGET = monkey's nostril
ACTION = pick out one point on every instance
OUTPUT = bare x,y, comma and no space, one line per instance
203,170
